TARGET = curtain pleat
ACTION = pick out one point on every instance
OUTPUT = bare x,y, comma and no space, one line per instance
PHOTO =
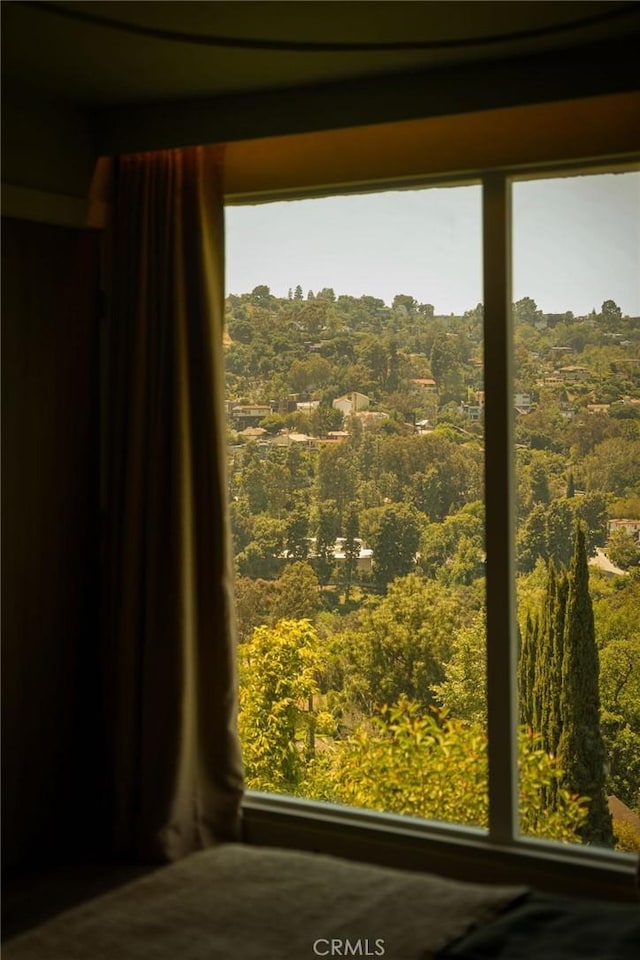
170,679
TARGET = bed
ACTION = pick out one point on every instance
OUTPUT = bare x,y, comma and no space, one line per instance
236,902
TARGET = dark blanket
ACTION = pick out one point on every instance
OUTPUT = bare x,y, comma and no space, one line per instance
541,927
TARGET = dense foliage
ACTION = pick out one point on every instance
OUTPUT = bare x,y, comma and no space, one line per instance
358,678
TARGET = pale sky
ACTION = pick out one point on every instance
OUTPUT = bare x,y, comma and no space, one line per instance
576,244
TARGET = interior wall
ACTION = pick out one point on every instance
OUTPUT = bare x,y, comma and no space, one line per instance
46,146
50,542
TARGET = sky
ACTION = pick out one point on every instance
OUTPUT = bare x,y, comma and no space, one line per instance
576,243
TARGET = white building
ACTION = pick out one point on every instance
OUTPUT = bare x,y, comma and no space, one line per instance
353,402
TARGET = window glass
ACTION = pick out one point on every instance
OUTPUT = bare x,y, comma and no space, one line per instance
577,430
355,400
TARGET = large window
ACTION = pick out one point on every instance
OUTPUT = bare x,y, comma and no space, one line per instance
373,394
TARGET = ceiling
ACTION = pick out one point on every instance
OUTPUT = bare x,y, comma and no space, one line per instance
116,53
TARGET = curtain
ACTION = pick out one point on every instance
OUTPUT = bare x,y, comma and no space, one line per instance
176,776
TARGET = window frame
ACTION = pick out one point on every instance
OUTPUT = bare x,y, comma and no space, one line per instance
500,854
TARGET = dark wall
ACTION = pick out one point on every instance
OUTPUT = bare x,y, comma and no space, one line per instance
50,541
45,145
564,74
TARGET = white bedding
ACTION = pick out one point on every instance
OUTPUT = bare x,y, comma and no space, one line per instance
235,902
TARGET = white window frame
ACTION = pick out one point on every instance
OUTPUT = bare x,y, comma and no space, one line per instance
500,853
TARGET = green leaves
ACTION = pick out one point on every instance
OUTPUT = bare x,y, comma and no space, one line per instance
279,671
433,766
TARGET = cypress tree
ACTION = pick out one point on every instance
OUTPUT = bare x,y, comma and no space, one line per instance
553,716
526,671
581,748
571,486
542,689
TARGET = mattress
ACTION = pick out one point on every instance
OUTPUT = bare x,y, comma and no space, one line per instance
236,902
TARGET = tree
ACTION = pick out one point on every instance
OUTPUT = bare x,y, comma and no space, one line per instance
581,748
527,671
279,670
326,533
398,645
614,467
463,692
261,557
297,535
623,550
393,533
297,294
261,295
611,311
351,549
298,596
327,293
254,602
526,311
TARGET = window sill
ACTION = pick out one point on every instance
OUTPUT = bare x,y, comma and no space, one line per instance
460,852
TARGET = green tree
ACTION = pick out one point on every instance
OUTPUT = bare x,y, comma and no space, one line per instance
463,692
435,767
623,550
527,671
297,533
581,748
279,669
614,467
611,311
326,533
254,602
261,295
298,596
262,556
399,644
393,532
526,311
351,549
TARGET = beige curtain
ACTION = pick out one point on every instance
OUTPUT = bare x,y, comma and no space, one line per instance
170,680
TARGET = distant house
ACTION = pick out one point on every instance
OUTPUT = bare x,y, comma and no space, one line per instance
573,372
473,411
425,383
364,560
424,426
367,417
249,414
630,526
288,438
522,402
353,402
598,407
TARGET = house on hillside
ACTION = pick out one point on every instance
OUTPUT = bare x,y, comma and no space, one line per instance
629,526
249,414
427,384
574,372
353,402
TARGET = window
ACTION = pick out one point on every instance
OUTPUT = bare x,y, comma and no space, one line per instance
490,410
